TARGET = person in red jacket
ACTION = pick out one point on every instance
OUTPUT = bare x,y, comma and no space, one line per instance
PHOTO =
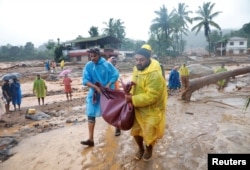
67,87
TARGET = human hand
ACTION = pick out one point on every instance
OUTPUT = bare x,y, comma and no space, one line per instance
98,89
128,98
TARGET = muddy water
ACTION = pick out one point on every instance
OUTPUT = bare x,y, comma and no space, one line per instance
211,128
213,122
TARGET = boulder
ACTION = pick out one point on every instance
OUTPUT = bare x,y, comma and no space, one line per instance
198,70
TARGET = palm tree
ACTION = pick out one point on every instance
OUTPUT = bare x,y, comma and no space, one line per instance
181,24
110,27
161,29
115,28
120,30
93,31
205,18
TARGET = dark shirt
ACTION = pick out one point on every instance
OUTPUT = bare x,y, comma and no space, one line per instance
6,88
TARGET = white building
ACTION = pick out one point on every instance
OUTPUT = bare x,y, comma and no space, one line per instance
236,46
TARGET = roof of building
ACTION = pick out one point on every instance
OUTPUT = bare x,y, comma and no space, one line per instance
237,39
93,41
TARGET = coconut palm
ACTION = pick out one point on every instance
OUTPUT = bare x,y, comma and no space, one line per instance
161,29
182,19
115,28
205,18
110,27
93,31
120,30
180,26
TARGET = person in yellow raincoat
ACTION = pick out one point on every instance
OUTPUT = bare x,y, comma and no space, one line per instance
184,74
149,98
222,83
62,64
39,89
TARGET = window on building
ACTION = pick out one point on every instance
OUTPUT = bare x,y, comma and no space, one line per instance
231,43
241,43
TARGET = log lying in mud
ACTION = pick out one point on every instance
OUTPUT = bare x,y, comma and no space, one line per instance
7,68
196,84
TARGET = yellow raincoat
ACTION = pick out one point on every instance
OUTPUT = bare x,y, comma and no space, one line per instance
62,64
149,97
221,82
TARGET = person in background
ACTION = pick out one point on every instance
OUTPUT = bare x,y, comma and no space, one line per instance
6,91
149,98
222,83
39,89
16,93
62,64
67,87
96,70
162,68
47,65
174,82
53,65
184,74
113,60
148,47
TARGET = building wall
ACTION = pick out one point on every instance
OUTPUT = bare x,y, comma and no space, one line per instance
236,46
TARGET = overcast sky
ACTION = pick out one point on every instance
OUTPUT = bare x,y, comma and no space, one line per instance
37,21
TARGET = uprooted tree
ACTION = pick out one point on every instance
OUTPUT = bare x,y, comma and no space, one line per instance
196,84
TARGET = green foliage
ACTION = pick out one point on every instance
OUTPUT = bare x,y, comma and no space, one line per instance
20,53
93,31
50,45
115,28
131,45
246,28
205,18
58,53
167,30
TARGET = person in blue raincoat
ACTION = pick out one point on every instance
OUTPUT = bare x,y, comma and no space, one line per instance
16,94
174,82
96,70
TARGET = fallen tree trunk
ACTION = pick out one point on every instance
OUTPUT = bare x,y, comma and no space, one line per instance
196,84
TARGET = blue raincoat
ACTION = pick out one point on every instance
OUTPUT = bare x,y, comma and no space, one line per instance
103,72
174,80
16,94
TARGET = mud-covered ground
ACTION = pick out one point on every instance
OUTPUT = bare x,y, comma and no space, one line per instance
213,122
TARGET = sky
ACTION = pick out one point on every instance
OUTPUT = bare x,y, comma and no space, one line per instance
39,21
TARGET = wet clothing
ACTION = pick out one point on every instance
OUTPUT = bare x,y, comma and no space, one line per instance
221,83
62,64
16,93
149,97
103,72
184,74
47,66
174,80
67,85
6,89
39,87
